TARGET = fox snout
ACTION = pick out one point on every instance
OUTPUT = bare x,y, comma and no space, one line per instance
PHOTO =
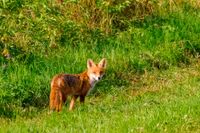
96,77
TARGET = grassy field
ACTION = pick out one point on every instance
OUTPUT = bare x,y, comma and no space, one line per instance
153,74
165,101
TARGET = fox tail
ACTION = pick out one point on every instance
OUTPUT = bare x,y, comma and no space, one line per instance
56,100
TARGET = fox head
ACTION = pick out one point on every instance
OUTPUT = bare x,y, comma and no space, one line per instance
96,71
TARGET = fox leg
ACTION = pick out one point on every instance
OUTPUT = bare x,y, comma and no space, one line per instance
82,99
73,102
64,98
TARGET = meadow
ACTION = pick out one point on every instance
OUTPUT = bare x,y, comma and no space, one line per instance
152,79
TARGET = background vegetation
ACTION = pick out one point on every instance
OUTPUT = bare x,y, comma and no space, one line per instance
152,48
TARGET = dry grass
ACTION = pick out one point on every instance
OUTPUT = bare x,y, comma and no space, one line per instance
157,81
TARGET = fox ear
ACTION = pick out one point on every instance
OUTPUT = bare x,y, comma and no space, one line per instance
102,63
90,63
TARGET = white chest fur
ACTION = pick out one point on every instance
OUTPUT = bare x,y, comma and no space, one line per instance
92,84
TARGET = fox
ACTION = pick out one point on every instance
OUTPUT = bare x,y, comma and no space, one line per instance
75,85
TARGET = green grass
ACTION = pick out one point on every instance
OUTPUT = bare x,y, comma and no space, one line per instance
152,79
162,104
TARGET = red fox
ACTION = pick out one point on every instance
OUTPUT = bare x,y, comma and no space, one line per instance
76,85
